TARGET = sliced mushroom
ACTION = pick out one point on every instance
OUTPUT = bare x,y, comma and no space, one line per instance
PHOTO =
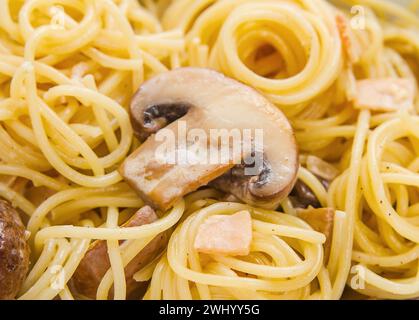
320,220
14,251
253,189
205,99
95,263
302,196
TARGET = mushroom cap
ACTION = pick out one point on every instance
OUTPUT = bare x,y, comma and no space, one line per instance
208,100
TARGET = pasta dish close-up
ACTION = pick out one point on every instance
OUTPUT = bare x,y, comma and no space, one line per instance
209,149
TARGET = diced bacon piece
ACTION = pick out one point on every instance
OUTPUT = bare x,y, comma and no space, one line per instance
385,94
347,38
320,220
223,234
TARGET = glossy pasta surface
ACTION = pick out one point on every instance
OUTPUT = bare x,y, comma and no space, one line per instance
68,72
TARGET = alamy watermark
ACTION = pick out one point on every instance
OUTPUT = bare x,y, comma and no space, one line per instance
196,146
358,20
58,277
57,14
357,282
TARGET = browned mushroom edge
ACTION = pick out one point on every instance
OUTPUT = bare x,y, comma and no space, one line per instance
14,251
321,220
302,196
95,263
206,99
